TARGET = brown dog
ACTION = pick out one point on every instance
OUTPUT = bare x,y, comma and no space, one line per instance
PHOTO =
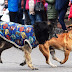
63,42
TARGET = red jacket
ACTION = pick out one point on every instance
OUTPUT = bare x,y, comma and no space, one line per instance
70,14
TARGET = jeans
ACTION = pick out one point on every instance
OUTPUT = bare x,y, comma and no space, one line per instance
19,16
27,20
61,18
37,17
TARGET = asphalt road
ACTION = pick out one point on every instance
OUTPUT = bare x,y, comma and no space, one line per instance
13,57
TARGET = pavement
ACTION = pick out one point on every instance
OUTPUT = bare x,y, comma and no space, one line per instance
13,57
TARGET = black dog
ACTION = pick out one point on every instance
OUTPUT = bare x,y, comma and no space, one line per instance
42,32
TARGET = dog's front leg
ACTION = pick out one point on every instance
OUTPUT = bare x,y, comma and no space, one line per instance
28,58
44,52
44,48
67,52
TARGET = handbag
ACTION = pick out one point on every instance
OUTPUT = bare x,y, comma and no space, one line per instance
39,6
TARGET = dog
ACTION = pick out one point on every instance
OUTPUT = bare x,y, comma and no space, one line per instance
23,37
19,36
43,33
63,42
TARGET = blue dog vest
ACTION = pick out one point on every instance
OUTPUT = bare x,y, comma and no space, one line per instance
17,34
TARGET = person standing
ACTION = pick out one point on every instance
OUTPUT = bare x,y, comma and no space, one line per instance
61,7
27,20
19,18
34,16
13,9
52,16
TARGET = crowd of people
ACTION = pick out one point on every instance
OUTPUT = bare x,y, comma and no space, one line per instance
53,10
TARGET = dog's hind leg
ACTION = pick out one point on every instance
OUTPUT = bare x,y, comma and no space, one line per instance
27,51
3,46
44,48
52,52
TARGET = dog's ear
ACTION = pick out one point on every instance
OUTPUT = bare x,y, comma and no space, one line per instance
70,34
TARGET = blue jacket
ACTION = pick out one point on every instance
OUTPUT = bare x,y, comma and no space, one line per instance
18,34
13,5
61,4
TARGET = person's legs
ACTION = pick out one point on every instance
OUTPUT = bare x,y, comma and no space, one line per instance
53,24
38,16
27,18
44,15
32,18
19,16
12,16
61,18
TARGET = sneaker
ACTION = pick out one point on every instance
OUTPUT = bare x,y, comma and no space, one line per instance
65,31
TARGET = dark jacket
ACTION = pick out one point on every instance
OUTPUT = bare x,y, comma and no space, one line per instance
61,4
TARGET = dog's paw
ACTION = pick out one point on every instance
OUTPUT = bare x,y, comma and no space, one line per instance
1,62
61,62
22,64
54,66
35,69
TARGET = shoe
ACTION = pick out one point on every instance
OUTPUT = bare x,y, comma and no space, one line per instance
65,31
